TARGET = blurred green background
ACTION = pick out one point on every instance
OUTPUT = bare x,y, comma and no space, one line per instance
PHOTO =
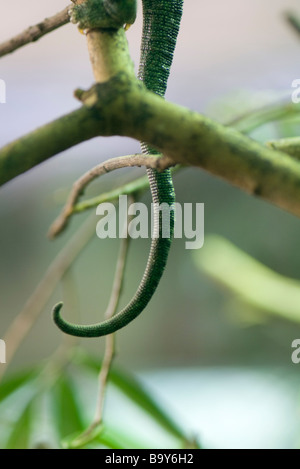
232,382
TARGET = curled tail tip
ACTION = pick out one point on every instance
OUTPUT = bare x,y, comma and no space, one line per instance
56,311
61,323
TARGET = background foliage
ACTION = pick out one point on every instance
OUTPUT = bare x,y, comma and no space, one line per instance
243,57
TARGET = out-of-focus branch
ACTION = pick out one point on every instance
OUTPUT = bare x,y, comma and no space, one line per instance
109,353
33,33
256,118
293,20
135,186
111,310
248,280
25,320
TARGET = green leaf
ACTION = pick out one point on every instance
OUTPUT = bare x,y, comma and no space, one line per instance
67,416
136,393
250,281
114,439
21,433
11,385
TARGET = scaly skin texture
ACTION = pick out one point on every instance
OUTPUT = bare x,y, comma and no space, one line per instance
103,14
160,30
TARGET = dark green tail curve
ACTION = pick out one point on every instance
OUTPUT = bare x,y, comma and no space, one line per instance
160,30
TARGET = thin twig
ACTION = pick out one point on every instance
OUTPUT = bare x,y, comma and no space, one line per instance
25,320
111,310
33,33
150,161
135,186
109,353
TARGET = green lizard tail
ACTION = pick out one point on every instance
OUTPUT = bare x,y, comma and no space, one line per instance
161,25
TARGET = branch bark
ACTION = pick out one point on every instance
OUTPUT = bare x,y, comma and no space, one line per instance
33,33
150,161
123,106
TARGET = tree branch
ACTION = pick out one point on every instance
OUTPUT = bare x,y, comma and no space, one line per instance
244,124
122,106
150,161
33,33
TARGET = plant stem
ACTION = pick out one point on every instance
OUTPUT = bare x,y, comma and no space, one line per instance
109,354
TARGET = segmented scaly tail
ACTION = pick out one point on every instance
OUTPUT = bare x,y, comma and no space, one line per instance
161,26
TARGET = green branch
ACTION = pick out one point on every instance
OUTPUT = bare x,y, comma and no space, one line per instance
122,106
45,142
139,184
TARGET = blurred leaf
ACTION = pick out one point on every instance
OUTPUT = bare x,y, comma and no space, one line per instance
20,437
114,439
43,431
276,114
249,280
135,392
11,385
67,415
45,411
266,115
289,128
